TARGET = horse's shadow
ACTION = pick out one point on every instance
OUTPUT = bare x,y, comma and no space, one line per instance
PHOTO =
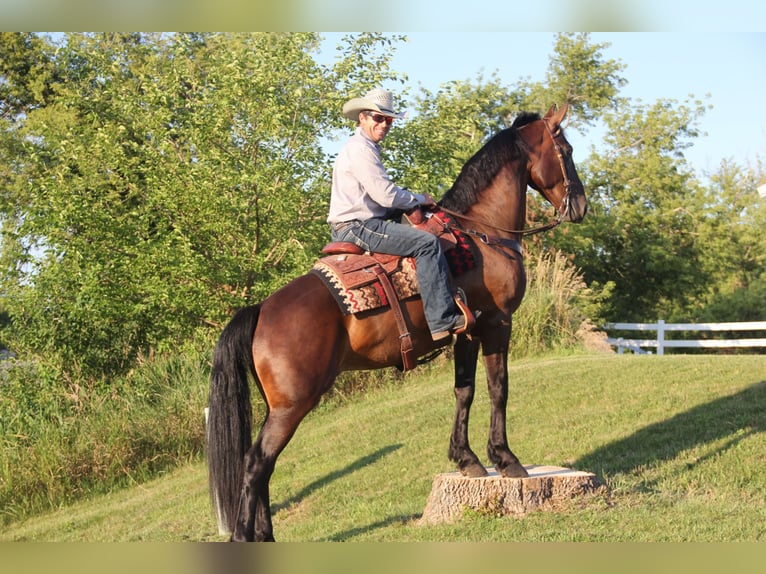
401,520
732,419
335,475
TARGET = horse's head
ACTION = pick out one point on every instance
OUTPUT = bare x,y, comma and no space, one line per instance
551,168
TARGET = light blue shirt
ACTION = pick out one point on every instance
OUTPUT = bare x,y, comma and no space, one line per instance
361,188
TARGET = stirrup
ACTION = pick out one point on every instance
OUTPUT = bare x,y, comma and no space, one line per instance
461,302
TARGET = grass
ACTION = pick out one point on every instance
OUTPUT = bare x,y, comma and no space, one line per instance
678,439
60,444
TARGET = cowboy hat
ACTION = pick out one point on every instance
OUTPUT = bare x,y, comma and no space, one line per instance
377,100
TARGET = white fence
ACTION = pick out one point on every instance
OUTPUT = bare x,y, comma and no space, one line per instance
661,327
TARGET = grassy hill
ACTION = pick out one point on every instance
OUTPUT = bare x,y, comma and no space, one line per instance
678,439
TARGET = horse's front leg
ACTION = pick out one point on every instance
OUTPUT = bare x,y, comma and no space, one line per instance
466,356
506,463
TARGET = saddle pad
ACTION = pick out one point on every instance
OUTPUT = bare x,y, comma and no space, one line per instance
365,295
461,257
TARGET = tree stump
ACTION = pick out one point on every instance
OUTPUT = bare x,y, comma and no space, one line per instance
546,487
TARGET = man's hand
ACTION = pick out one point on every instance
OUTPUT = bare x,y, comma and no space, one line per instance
428,201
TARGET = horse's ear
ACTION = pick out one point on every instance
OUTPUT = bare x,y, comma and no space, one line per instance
557,116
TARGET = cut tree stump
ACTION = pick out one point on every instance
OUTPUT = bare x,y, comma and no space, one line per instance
546,488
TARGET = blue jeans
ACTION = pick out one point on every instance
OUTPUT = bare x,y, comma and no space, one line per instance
384,236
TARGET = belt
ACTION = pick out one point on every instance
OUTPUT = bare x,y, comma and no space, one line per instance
343,224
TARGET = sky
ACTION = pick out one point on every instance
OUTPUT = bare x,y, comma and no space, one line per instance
725,70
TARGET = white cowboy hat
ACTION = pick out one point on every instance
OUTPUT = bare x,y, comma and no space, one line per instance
377,100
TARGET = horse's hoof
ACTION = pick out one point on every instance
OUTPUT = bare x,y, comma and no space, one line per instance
474,470
513,470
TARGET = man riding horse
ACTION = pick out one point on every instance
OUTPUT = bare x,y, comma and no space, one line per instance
363,197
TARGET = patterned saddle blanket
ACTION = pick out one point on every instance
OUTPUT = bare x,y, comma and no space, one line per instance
349,273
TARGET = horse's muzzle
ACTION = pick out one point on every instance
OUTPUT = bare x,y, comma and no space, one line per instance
576,207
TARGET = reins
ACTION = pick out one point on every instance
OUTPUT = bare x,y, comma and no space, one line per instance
528,231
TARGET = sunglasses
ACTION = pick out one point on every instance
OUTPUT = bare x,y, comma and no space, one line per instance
378,118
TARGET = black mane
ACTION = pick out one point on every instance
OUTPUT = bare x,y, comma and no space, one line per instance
479,171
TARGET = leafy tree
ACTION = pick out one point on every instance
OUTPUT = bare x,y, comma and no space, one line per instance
151,183
166,180
27,73
733,256
451,124
448,127
641,231
577,74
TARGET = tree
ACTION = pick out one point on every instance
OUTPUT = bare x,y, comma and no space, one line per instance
732,218
166,180
577,74
447,128
641,230
27,73
451,124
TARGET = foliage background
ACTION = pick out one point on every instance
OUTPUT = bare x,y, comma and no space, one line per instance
152,183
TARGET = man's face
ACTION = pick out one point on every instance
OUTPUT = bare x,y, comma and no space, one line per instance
375,125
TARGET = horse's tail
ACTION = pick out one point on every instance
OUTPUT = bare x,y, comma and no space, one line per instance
229,415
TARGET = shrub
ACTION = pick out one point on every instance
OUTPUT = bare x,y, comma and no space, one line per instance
62,441
551,315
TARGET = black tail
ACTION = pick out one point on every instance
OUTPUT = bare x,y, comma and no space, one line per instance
229,426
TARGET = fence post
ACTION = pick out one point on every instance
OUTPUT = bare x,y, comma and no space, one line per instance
661,337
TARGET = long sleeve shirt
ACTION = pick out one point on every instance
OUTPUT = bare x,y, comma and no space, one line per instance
361,187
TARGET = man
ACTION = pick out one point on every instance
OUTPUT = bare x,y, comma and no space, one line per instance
363,196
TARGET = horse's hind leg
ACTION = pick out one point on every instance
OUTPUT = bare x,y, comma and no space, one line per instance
466,356
254,515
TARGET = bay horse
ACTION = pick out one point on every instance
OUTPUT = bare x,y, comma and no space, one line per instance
297,341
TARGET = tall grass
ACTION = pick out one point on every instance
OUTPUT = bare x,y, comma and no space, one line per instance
62,441
551,315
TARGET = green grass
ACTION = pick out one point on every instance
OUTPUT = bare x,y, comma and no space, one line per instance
679,440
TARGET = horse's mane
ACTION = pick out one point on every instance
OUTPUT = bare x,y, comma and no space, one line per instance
479,171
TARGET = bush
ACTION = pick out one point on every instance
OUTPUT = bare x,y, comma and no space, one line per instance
62,441
551,315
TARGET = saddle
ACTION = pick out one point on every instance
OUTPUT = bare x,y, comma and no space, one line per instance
361,280
432,223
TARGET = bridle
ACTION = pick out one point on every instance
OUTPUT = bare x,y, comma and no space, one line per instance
562,210
564,207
